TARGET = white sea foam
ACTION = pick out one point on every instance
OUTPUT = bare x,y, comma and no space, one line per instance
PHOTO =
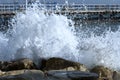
101,50
35,34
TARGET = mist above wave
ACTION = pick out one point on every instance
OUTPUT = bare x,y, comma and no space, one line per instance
36,34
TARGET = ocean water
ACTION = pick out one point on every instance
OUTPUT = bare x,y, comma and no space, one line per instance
35,34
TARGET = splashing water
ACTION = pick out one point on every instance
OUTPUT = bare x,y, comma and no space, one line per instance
35,34
100,50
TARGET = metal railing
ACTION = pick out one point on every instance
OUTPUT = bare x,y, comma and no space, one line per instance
11,7
61,7
84,7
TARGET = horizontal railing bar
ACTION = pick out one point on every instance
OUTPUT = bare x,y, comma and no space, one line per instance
62,7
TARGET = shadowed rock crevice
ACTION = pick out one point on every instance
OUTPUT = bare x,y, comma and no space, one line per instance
17,65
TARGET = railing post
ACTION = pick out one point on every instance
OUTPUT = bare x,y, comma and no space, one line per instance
26,4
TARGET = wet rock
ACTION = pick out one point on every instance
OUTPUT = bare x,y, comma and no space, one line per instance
23,75
50,75
62,64
2,73
103,72
3,64
116,75
29,75
73,75
17,65
42,63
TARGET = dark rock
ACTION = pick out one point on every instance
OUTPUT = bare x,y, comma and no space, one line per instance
50,75
42,63
13,79
73,75
103,72
17,65
62,64
116,75
3,64
23,75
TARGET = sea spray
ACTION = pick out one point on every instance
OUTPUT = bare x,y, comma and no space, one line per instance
35,34
100,50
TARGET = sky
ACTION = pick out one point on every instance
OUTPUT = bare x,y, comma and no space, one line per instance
70,1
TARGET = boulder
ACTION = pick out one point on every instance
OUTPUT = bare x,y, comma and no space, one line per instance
23,75
29,75
62,64
103,72
50,75
73,75
17,65
3,64
116,75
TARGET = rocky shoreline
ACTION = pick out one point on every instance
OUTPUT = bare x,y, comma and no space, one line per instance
53,69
